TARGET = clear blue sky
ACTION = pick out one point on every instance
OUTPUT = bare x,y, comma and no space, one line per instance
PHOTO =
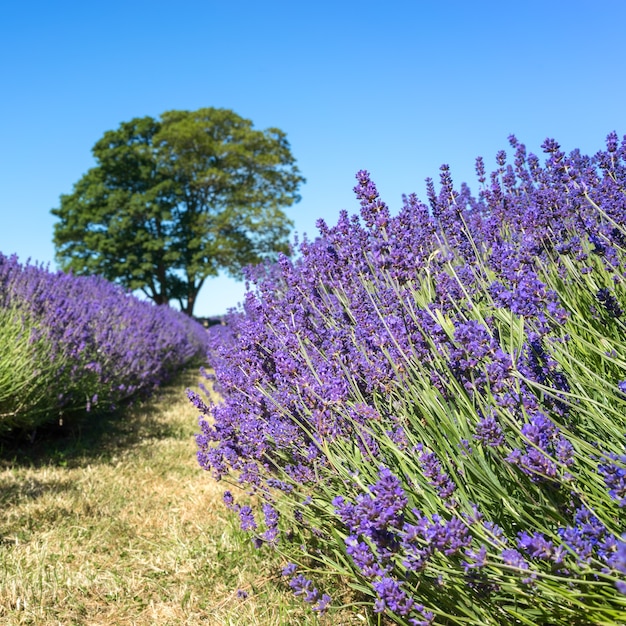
397,88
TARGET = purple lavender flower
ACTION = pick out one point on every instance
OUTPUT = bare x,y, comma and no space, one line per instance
587,536
475,559
477,360
614,475
433,472
609,302
364,558
391,596
488,432
545,444
271,523
617,559
304,588
321,606
535,545
246,516
289,569
515,559
449,537
370,514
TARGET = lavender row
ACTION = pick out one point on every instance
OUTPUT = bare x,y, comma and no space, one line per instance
431,405
90,344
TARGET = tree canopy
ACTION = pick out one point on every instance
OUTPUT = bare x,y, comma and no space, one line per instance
172,201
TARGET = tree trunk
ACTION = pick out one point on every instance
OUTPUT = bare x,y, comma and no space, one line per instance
191,301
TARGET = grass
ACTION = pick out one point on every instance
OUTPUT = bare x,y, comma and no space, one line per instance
113,523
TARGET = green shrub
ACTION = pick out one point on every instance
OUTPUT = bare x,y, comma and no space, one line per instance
28,372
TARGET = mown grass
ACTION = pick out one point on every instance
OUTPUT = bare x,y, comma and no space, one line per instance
114,523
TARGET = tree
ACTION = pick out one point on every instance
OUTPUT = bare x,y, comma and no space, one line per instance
175,200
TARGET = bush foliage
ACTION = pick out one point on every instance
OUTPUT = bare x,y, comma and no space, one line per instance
430,406
74,344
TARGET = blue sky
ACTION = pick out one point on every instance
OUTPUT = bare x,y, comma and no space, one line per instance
397,88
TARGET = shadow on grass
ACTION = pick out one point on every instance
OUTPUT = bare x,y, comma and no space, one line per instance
90,436
33,487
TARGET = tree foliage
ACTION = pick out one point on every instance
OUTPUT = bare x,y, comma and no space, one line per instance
172,201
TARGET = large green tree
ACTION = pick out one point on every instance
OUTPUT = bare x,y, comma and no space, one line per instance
174,200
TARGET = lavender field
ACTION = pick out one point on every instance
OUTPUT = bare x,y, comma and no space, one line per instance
74,345
420,415
428,407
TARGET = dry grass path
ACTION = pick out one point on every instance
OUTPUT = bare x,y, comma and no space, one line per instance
115,524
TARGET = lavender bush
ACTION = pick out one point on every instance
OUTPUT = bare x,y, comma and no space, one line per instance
73,344
430,406
26,370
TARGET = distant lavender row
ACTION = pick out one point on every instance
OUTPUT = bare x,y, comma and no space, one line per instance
96,345
432,405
